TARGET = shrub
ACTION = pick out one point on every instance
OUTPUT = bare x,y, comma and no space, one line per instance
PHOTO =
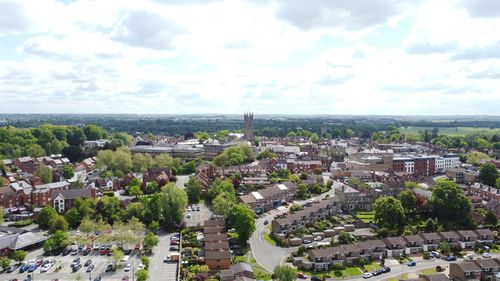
22,223
338,266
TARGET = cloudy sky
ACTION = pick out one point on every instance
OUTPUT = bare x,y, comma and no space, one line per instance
283,57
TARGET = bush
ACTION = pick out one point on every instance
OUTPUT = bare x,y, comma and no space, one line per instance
22,223
108,193
338,267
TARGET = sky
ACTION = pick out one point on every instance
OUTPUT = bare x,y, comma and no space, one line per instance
384,57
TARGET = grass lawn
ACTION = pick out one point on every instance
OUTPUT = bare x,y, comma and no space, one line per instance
429,271
348,272
372,267
366,217
351,271
238,259
269,239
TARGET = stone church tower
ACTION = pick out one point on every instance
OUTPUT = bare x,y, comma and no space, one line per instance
248,122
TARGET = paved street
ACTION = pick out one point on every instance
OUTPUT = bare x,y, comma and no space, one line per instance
181,180
158,270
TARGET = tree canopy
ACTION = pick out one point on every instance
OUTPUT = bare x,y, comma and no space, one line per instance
488,174
450,205
173,203
389,213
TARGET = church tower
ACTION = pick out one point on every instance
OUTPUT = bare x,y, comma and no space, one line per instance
248,122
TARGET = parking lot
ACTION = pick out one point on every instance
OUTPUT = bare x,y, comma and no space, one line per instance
195,218
62,270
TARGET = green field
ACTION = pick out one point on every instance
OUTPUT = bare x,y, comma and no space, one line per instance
429,271
453,131
366,217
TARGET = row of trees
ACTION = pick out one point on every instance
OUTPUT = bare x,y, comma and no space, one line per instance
448,205
235,155
120,162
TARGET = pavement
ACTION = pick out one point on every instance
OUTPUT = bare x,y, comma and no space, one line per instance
196,218
158,270
182,180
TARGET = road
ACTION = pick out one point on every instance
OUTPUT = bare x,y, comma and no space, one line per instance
182,180
158,270
267,255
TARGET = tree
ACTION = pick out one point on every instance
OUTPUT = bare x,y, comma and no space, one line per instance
142,162
44,173
444,247
219,186
488,174
145,261
150,241
314,138
94,132
56,223
223,203
151,187
57,241
116,255
142,275
242,218
18,255
35,150
284,273
450,205
46,214
408,200
302,191
490,219
134,190
163,161
4,262
430,225
193,190
154,226
173,202
476,157
389,213
68,172
345,238
76,136
266,154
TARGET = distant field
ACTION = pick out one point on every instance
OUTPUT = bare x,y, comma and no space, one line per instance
456,131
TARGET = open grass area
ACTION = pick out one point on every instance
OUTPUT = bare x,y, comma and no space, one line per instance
366,217
269,239
452,131
348,272
429,271
372,267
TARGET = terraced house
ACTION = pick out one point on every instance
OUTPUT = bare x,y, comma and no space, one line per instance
308,215
270,197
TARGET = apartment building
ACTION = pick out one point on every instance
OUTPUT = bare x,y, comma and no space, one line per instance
270,197
467,239
216,245
308,215
431,241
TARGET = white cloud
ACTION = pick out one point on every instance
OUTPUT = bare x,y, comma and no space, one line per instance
310,57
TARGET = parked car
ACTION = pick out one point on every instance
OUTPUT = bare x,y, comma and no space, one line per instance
486,255
46,267
174,248
386,269
377,272
12,268
24,268
76,267
109,268
412,263
141,266
174,242
32,267
88,262
306,241
434,254
188,216
318,238
367,275
128,267
450,258
125,278
315,278
198,208
90,268
470,256
301,275
266,222
95,247
440,268
66,252
98,278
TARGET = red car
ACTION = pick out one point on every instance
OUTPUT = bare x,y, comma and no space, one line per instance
125,278
174,242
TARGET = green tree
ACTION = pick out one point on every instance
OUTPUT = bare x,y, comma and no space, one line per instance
284,273
314,138
44,173
242,218
94,132
134,190
490,219
145,261
151,187
444,247
142,275
75,136
4,262
142,162
150,241
173,203
193,190
266,154
154,226
57,241
389,213
46,214
345,238
223,203
18,256
163,161
408,200
450,205
116,255
430,225
488,174
302,191
476,157
68,172
219,186
35,150
56,223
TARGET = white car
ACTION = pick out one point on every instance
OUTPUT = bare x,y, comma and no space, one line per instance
128,267
318,238
486,255
46,267
367,275
188,216
141,266
189,209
